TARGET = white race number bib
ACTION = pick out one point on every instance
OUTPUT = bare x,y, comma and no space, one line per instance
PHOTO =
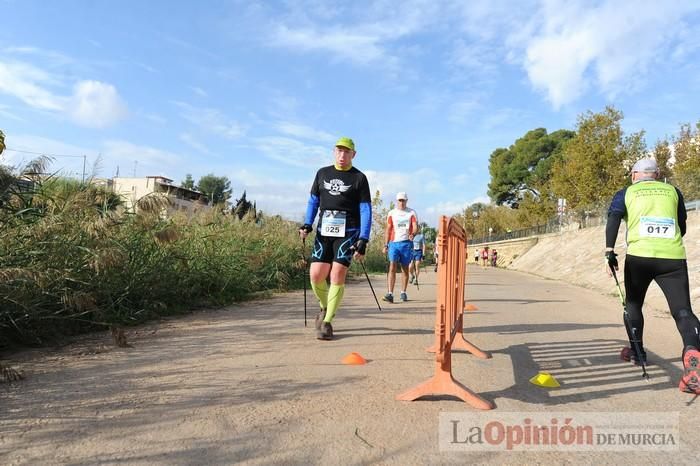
333,223
657,227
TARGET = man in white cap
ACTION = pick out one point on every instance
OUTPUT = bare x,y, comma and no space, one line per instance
656,222
402,224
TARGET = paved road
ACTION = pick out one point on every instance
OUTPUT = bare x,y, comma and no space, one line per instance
251,384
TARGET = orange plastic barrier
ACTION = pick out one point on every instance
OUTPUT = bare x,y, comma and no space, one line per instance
451,243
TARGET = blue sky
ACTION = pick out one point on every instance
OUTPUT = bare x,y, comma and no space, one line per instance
259,91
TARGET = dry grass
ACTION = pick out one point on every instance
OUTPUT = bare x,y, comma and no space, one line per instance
9,374
71,260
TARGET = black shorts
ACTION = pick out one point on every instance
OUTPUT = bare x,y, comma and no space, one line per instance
670,274
328,249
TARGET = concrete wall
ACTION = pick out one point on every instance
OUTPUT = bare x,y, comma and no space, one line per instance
508,250
577,257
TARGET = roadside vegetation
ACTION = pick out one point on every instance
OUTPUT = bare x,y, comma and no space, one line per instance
73,259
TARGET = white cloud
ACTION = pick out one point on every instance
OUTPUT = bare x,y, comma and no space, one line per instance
293,152
304,132
53,58
25,82
111,153
361,35
446,208
66,159
610,46
349,45
389,183
96,104
155,118
146,67
288,198
463,109
477,57
212,120
6,113
454,207
502,117
199,91
92,103
144,160
193,143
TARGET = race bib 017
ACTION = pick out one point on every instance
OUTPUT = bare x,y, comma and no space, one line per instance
657,227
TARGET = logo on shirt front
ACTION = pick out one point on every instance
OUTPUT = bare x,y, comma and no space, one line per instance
335,187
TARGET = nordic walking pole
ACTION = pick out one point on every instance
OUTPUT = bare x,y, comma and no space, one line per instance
415,271
370,284
632,331
303,253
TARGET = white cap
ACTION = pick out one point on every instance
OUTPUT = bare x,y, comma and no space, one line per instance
645,166
401,195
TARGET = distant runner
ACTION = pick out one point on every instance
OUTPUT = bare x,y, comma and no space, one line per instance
484,256
402,224
418,254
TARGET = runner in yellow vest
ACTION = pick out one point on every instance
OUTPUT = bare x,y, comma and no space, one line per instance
656,222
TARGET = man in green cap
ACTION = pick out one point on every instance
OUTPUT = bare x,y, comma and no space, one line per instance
341,193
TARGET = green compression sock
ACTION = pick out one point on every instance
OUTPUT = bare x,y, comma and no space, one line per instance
321,292
335,296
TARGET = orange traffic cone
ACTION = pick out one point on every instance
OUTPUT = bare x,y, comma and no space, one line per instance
354,359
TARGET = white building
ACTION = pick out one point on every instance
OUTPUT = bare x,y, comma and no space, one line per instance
181,199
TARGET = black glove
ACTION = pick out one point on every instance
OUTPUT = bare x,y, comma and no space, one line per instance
360,246
611,259
306,227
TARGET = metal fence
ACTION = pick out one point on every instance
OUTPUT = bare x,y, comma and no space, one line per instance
559,224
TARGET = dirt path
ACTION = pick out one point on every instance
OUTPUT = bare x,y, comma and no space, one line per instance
251,384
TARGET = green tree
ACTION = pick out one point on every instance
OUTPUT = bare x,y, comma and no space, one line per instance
525,166
188,182
686,167
469,219
662,154
379,217
216,188
596,162
534,211
243,206
478,218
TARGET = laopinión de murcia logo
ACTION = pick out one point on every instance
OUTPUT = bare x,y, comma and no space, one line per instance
590,431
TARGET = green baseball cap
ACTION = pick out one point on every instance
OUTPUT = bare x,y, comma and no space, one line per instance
346,142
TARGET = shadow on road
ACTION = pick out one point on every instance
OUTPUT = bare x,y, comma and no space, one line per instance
586,370
519,301
536,328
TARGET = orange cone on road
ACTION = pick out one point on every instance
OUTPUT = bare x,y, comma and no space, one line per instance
354,359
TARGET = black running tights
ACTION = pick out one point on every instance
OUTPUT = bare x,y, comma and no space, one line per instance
672,277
